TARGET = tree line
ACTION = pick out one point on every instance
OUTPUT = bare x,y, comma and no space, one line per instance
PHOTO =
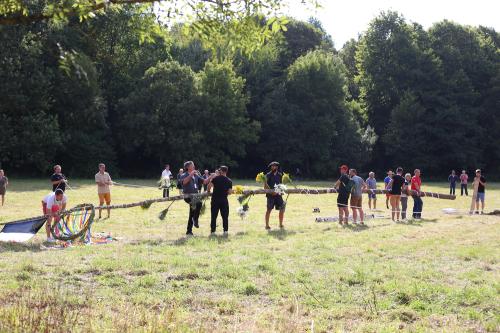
100,91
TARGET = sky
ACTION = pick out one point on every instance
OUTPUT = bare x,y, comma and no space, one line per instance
346,19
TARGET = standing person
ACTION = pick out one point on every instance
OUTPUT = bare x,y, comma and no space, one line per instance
52,205
58,179
274,200
387,181
405,192
206,175
452,179
358,185
464,178
190,180
371,182
416,184
166,175
343,185
179,181
103,181
481,184
396,185
222,187
4,182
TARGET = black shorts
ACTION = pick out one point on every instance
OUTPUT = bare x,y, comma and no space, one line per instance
342,201
276,202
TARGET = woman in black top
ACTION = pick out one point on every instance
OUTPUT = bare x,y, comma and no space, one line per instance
395,185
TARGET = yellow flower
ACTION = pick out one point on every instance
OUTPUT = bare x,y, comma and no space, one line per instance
260,178
286,178
238,189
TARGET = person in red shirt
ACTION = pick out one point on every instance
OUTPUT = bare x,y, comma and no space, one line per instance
416,184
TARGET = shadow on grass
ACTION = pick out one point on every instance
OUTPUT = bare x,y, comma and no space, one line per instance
281,234
19,247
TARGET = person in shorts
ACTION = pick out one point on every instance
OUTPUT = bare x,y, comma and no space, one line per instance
480,191
4,182
371,182
52,205
103,181
358,185
405,193
274,200
387,180
343,187
396,185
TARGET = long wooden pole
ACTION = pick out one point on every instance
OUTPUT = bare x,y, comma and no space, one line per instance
148,202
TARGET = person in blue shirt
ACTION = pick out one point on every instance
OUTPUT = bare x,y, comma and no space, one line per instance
387,181
372,185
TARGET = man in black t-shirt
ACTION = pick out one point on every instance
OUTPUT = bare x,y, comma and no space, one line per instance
480,196
274,200
343,186
222,186
58,179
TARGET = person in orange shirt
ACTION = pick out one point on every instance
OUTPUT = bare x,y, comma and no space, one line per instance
103,181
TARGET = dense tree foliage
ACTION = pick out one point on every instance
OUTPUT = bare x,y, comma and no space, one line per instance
127,90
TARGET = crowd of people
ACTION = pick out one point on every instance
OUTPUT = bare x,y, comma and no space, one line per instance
350,187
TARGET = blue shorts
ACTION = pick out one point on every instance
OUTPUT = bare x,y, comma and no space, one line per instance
480,197
372,195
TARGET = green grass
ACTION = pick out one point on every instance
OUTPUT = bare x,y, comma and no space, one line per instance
438,274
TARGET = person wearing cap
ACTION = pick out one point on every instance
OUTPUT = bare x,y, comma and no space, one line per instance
190,180
222,186
274,200
343,186
481,184
52,205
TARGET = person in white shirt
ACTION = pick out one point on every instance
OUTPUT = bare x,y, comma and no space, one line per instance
166,176
103,181
52,205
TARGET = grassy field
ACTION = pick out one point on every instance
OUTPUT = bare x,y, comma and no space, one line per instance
438,274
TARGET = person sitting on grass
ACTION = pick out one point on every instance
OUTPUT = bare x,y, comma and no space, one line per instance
274,200
371,182
358,185
52,205
343,185
396,185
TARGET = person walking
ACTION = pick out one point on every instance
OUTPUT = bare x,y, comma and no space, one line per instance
464,178
190,180
396,185
358,185
221,186
405,192
387,181
274,200
371,182
103,181
166,176
4,182
343,186
416,184
452,179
